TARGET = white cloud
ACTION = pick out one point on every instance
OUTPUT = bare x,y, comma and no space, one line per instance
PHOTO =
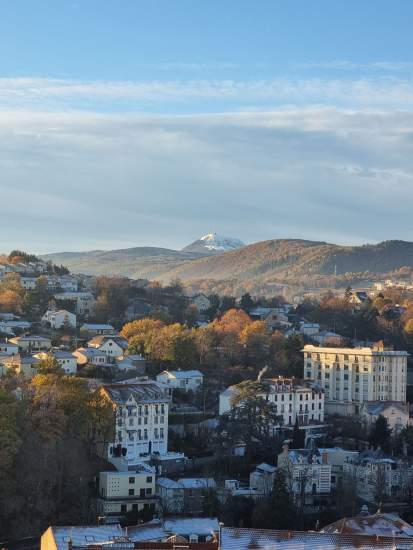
84,180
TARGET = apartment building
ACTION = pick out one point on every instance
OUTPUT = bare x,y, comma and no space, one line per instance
293,399
141,419
122,492
351,376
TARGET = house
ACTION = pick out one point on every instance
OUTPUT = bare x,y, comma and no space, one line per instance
294,400
90,356
262,478
337,457
190,380
31,343
132,362
112,346
395,412
328,338
195,490
28,283
274,318
59,537
309,329
358,298
60,318
66,360
307,472
83,303
377,476
97,329
8,348
201,301
141,420
171,495
8,326
122,492
25,365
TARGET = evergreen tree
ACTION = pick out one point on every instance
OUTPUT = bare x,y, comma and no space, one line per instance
284,512
380,435
298,441
246,303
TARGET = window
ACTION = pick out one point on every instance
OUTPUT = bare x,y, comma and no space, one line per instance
148,491
123,507
149,479
131,480
161,433
131,492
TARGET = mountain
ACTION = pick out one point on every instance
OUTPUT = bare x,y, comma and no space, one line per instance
266,266
146,262
212,243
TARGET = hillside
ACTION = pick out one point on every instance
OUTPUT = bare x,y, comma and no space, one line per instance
141,262
258,267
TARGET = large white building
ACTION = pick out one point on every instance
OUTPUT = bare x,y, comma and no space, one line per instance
351,376
59,318
185,380
141,420
294,400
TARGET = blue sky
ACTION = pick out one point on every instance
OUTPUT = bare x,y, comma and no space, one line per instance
132,122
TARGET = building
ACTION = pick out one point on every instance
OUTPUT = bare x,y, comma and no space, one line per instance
193,530
326,338
378,477
59,318
351,376
309,329
83,303
195,490
141,423
26,365
132,362
274,318
90,356
112,346
171,496
307,473
189,380
294,400
97,329
59,537
337,457
122,492
8,348
396,414
31,343
262,478
66,360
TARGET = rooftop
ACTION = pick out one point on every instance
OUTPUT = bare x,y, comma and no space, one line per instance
145,391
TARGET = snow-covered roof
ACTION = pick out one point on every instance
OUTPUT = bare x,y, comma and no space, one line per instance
387,525
197,526
90,352
81,536
266,468
237,538
198,482
183,374
378,407
168,483
145,391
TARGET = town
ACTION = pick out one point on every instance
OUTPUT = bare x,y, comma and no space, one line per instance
135,413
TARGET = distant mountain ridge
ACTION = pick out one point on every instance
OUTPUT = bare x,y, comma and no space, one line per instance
290,262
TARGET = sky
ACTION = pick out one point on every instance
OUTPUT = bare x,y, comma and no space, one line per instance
152,122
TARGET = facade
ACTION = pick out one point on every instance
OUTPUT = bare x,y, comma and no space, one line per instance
378,477
67,361
190,380
31,343
122,492
171,495
295,400
141,423
83,302
26,365
8,348
396,414
59,318
195,490
273,317
90,356
337,457
262,478
112,346
307,472
351,376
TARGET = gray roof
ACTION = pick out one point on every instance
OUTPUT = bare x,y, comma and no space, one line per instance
143,392
168,483
198,483
81,536
378,407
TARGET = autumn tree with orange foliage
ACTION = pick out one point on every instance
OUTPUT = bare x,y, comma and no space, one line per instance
11,294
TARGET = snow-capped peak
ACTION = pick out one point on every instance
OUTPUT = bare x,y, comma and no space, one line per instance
213,241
